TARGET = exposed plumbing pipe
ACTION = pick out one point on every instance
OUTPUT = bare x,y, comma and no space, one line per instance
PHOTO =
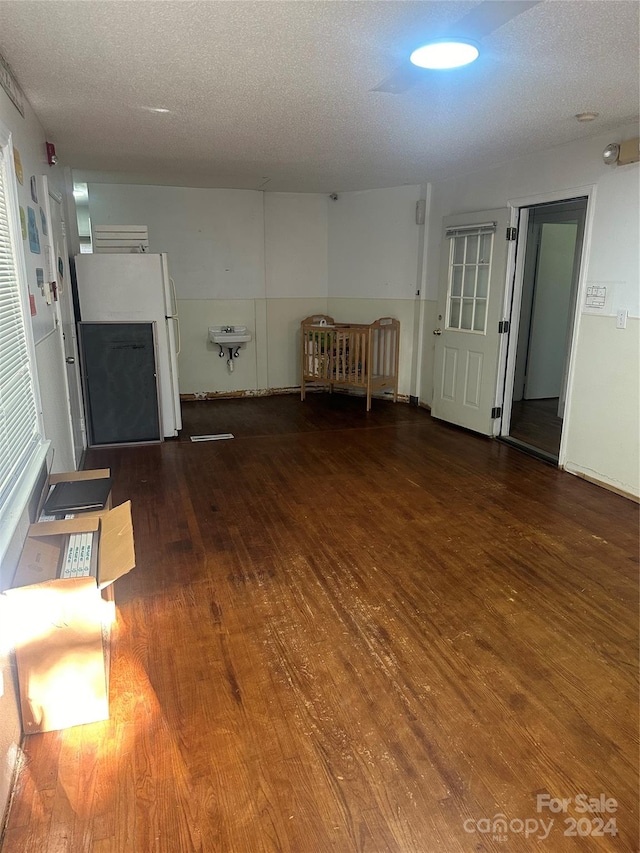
233,351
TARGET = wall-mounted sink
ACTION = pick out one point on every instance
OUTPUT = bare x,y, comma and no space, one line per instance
229,336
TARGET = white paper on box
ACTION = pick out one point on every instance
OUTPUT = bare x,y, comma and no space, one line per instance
84,569
81,558
89,552
76,555
66,568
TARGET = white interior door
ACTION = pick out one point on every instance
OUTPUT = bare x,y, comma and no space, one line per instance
60,263
470,307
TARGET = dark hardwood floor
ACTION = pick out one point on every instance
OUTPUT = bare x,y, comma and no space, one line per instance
536,423
264,416
353,632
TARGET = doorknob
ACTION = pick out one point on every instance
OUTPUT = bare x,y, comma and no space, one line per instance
70,359
437,331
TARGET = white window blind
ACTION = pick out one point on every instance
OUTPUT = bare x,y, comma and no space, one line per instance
470,230
19,427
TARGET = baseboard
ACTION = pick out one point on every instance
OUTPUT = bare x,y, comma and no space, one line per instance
603,485
276,392
230,395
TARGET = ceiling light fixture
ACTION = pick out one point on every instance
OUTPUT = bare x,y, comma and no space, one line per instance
587,116
445,53
611,154
156,109
622,153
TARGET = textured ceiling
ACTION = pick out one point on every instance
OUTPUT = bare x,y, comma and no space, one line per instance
278,94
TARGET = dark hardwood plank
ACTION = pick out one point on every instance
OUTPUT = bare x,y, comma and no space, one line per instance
350,632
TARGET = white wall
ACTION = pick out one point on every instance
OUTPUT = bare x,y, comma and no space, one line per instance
374,262
373,244
52,380
29,139
601,420
296,272
296,245
214,238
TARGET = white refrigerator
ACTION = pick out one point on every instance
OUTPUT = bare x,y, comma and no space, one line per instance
137,287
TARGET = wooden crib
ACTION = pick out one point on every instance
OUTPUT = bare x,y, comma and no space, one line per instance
355,355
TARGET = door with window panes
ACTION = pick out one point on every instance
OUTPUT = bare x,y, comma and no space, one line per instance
470,305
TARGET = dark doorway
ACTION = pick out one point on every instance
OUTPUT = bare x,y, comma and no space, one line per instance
553,250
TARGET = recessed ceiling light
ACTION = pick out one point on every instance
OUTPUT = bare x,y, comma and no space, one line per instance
586,116
445,53
156,110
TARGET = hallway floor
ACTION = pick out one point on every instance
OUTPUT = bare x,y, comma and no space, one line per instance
536,423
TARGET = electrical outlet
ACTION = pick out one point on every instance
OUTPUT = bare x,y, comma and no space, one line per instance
621,318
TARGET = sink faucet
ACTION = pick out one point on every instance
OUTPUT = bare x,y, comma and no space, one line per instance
228,329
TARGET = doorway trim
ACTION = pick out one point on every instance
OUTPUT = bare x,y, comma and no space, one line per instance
519,218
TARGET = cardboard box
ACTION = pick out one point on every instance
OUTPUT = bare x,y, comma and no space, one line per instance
61,625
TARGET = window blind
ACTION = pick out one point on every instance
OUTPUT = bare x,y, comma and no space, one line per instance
470,230
19,428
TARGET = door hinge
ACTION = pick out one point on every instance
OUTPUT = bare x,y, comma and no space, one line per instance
512,234
503,327
496,412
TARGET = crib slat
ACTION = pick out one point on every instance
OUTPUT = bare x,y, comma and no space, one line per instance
396,364
347,356
387,365
328,354
369,366
328,348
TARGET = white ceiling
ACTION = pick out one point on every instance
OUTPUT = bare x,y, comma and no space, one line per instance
278,94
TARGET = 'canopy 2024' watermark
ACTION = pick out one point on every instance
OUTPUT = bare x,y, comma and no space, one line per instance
594,818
